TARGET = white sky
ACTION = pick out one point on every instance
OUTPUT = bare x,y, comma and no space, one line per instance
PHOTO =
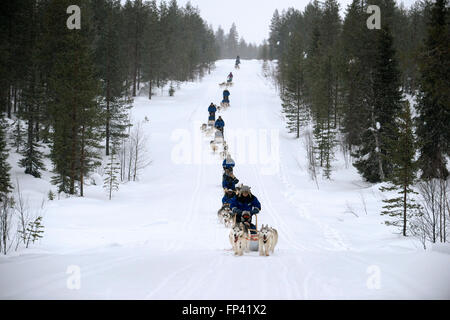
252,17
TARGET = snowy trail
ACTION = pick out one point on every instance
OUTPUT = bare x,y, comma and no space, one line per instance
159,238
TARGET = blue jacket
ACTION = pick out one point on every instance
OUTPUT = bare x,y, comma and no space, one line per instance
219,124
226,93
226,165
245,203
227,199
229,182
212,109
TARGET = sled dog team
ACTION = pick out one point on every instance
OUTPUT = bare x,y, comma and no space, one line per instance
239,204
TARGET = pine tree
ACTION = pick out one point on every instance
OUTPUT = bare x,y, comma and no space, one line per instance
382,105
17,135
112,69
433,121
5,183
232,42
294,96
33,97
73,87
403,176
111,181
152,65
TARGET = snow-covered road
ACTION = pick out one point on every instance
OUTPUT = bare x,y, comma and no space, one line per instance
159,237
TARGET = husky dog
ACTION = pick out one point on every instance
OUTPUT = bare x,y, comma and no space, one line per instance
227,218
224,105
204,127
214,146
238,239
223,213
275,239
223,84
268,238
224,154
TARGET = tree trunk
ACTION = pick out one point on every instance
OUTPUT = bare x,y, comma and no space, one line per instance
404,208
82,156
108,118
150,90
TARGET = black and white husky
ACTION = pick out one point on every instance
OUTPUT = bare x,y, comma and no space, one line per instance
238,239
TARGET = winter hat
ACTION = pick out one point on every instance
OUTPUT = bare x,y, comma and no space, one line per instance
245,189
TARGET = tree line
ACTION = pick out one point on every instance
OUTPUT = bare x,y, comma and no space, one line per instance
230,46
347,85
68,91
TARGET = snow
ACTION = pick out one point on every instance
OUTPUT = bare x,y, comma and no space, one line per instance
159,238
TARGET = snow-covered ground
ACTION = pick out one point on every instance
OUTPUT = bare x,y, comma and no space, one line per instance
159,238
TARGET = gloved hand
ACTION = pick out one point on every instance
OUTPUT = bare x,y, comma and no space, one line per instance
237,211
255,210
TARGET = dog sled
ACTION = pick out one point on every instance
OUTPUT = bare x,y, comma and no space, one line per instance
252,235
218,137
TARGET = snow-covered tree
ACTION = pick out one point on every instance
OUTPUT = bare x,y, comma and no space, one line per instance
112,169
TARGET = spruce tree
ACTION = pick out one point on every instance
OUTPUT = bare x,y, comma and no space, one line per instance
294,96
433,120
33,98
403,175
111,180
74,89
382,105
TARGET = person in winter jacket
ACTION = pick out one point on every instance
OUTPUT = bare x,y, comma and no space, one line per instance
229,181
228,196
228,163
219,124
212,108
238,60
244,206
230,77
226,94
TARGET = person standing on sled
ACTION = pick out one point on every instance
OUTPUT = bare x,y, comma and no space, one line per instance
230,77
219,124
238,61
244,206
228,163
212,111
229,181
226,94
227,197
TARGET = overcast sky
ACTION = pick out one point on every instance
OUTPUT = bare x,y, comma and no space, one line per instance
252,17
